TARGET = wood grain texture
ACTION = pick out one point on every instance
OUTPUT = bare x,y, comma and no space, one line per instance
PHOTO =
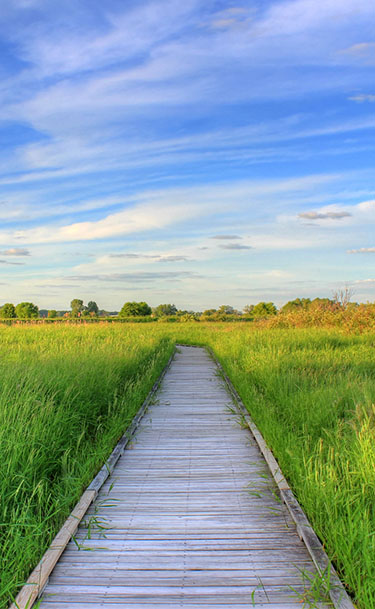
190,517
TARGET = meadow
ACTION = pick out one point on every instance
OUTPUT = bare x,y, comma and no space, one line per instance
67,394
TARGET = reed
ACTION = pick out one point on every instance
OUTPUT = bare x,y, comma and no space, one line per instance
67,394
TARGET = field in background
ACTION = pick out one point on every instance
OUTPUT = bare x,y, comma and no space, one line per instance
68,392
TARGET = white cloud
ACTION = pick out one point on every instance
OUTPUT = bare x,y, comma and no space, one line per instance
363,51
363,97
329,215
367,206
362,250
14,251
226,237
137,219
235,246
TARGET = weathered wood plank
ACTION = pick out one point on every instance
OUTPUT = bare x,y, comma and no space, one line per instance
190,517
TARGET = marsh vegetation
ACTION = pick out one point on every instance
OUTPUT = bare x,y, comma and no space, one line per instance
67,393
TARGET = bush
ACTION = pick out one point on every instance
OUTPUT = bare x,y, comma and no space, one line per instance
135,309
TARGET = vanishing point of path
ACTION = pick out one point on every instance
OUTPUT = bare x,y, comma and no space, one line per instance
190,515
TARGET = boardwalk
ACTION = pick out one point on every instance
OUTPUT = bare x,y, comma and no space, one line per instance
190,514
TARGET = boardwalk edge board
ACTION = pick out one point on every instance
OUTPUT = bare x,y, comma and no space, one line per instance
330,579
38,579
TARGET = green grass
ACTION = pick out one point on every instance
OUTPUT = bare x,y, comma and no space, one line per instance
67,394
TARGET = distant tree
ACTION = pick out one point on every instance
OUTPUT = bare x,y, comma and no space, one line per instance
296,304
77,307
27,310
264,309
8,311
322,303
135,309
209,312
226,310
248,309
343,297
164,310
52,313
92,307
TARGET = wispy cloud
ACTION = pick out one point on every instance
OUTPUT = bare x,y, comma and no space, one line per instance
228,237
363,97
362,250
139,218
14,251
136,126
173,259
330,215
13,263
137,277
155,257
363,51
132,256
235,246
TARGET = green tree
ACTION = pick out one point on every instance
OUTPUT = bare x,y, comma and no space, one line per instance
164,310
226,310
248,309
325,304
209,312
8,311
135,309
77,307
52,313
264,309
92,307
27,310
296,304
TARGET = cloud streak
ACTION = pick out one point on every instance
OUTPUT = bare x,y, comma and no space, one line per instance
14,251
235,246
362,250
329,215
136,277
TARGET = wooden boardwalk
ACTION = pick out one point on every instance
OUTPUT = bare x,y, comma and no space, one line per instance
191,515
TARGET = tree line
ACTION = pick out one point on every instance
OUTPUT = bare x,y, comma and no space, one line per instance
261,310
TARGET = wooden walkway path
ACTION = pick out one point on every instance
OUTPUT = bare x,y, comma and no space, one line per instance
191,514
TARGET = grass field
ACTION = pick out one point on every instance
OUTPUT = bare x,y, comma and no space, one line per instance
67,393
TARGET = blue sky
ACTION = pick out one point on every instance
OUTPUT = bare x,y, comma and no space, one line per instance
200,153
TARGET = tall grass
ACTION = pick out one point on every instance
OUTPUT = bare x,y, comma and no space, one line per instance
67,393
312,394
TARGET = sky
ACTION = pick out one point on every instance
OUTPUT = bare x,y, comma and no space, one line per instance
195,153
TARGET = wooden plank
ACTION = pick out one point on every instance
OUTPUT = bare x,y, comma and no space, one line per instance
38,578
190,516
324,566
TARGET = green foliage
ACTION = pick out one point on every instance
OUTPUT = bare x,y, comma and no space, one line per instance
92,307
264,309
248,309
209,312
66,396
65,393
52,313
76,306
27,310
164,310
226,310
135,309
297,303
324,304
8,311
